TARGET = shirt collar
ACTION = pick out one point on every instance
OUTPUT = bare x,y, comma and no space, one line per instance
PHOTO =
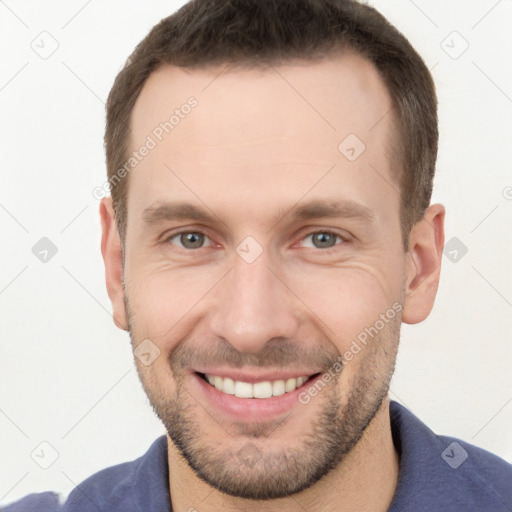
151,486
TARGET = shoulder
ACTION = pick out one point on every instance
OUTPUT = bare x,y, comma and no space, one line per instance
440,472
477,473
112,488
94,493
42,502
124,487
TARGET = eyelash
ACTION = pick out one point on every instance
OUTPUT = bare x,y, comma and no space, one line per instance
343,240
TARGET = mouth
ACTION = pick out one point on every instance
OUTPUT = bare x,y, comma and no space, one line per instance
264,389
251,395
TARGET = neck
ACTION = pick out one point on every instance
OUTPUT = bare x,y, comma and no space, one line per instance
365,480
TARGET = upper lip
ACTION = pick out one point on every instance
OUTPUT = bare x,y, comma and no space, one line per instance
257,375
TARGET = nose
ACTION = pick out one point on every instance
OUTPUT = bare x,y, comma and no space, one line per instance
253,306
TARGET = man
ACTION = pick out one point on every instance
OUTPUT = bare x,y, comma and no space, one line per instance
269,230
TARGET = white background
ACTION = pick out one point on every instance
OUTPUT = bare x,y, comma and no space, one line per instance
67,375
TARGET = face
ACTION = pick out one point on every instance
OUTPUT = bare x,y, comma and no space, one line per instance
262,247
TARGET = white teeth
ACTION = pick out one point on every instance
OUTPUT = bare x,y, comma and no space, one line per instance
264,389
228,386
217,382
278,388
290,385
243,389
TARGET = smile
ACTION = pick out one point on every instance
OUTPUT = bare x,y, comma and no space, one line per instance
264,389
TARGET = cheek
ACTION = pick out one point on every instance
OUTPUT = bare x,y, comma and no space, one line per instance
162,297
349,299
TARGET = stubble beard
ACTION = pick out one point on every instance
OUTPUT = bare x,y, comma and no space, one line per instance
249,469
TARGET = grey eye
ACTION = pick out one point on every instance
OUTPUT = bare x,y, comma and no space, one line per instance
191,240
324,240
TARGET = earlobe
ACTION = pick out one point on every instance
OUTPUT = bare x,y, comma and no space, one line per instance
423,265
111,251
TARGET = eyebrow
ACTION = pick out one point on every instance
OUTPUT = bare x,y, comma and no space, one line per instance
311,210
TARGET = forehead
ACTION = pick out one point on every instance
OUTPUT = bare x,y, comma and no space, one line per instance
333,95
273,129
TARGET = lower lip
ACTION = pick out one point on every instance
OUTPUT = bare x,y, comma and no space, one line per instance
251,409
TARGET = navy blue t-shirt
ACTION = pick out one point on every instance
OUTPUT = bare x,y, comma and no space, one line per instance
437,474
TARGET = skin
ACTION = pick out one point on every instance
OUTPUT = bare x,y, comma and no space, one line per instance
251,151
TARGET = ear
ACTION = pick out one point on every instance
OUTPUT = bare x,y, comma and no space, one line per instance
113,258
423,265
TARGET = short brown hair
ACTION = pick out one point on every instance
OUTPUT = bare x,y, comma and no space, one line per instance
214,32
